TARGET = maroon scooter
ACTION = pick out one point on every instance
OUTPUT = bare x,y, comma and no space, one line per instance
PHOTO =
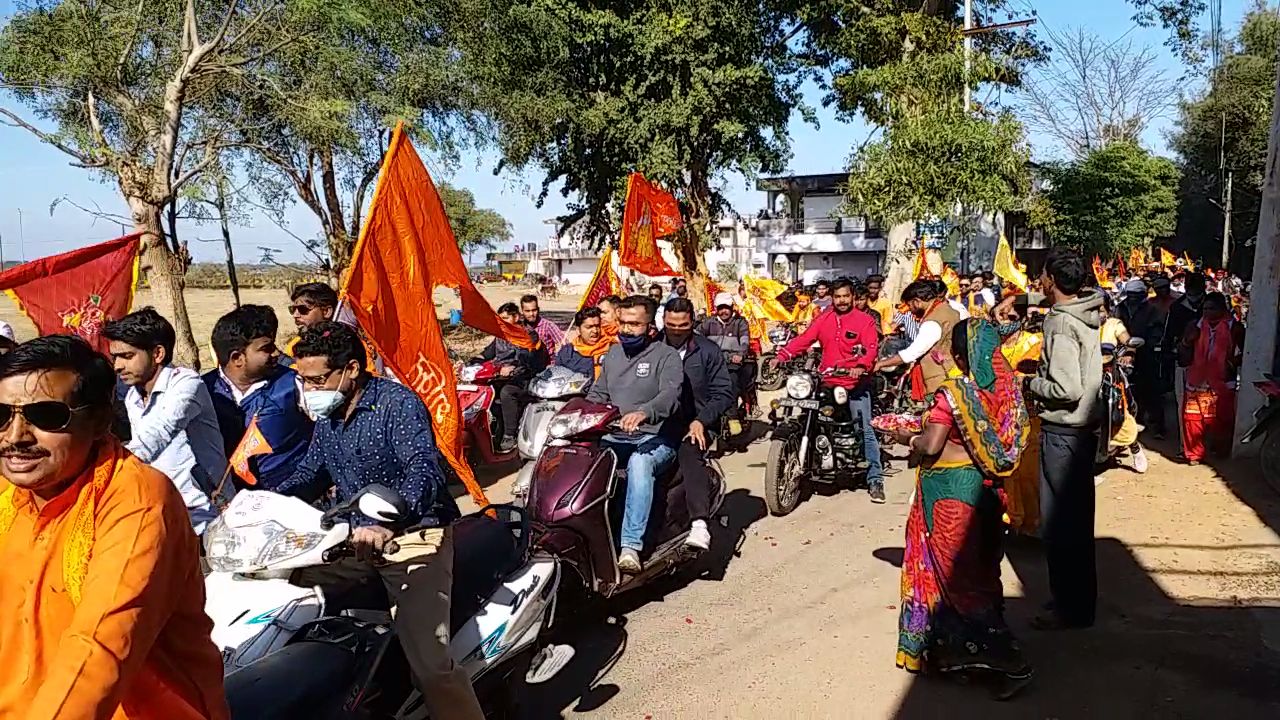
576,502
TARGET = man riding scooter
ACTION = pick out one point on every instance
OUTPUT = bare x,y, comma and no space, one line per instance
706,395
516,366
370,430
840,332
729,331
642,378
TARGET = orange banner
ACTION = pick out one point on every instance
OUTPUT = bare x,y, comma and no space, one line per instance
253,443
405,251
650,213
603,283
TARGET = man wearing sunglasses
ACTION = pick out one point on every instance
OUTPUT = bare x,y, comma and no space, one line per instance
370,430
102,591
250,383
173,426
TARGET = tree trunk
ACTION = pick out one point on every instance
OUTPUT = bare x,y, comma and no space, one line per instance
164,274
340,247
693,263
899,260
226,242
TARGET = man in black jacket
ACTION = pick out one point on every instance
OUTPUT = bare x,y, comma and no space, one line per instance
706,395
516,366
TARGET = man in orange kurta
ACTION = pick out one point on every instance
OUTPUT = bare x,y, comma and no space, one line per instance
102,595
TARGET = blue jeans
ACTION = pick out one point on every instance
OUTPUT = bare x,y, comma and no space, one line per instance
645,456
860,407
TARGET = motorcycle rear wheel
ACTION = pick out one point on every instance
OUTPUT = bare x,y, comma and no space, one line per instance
782,473
1269,457
770,379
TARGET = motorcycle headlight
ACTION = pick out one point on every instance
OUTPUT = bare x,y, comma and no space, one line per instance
799,387
254,547
470,410
777,335
840,395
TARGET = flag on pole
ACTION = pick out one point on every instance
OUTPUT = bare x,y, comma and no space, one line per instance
1006,265
650,213
603,283
77,292
1100,273
1137,258
405,250
762,299
1124,271
1167,259
952,280
1191,267
253,443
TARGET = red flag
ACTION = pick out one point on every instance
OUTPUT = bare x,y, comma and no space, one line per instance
405,250
1124,271
77,292
603,283
650,213
253,443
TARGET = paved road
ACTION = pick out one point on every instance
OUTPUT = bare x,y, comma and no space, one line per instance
795,617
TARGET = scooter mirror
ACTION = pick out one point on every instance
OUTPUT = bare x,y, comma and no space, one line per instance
381,503
1136,342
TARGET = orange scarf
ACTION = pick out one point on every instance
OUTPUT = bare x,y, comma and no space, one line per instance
1212,356
596,350
75,557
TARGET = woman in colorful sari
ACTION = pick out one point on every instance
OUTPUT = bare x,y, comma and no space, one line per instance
1214,345
952,607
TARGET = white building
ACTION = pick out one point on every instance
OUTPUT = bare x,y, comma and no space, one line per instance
803,230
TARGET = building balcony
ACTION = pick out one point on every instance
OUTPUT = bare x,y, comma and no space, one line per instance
511,256
817,235
570,253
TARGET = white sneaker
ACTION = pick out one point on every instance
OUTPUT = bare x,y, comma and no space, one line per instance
629,561
1140,464
699,536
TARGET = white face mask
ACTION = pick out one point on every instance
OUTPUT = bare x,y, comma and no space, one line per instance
322,403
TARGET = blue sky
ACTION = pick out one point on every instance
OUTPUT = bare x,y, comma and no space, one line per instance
33,176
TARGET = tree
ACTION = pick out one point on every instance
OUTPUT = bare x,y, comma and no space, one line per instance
318,124
473,227
899,65
1094,92
684,91
126,85
1116,198
1224,131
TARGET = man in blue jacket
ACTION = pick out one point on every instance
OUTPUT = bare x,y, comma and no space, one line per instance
706,395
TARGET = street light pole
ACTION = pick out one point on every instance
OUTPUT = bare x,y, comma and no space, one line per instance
968,50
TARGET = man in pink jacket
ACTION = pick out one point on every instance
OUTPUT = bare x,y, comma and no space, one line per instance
848,338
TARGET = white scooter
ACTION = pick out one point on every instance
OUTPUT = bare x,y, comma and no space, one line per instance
275,634
552,388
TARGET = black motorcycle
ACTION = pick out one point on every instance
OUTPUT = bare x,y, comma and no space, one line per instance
817,439
771,377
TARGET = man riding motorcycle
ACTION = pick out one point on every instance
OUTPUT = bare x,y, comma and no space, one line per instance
730,332
370,430
643,379
516,366
706,395
839,332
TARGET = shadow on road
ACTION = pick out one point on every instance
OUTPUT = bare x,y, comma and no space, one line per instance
1147,656
597,630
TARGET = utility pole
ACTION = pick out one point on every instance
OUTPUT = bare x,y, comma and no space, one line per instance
968,51
1260,341
1226,222
22,240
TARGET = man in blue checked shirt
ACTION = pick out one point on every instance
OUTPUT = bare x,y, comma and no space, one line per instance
370,430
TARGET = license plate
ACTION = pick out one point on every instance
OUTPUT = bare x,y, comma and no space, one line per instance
545,407
804,404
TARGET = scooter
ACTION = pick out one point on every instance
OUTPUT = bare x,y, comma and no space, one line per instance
1266,427
551,389
482,427
577,496
286,650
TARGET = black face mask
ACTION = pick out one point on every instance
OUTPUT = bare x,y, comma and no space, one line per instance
633,344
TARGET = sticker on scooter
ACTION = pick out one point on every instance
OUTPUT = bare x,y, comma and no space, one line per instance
489,648
265,617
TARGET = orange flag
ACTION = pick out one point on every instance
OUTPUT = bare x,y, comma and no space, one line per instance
603,283
77,292
1137,258
253,443
1124,271
650,213
1100,273
405,251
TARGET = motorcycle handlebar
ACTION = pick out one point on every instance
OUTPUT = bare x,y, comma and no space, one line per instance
346,549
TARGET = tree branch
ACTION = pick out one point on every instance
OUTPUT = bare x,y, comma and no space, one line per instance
82,159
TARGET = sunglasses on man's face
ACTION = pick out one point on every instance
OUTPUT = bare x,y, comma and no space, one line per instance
300,309
46,415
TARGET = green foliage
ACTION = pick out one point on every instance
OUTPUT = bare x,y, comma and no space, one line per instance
681,90
1233,118
1114,199
473,227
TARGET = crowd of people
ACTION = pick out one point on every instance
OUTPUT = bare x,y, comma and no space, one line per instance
116,464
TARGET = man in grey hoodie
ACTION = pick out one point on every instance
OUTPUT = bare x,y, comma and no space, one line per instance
1066,391
643,379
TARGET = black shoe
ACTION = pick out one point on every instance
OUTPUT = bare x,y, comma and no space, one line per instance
876,492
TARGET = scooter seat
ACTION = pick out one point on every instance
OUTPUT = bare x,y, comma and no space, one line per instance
304,679
484,552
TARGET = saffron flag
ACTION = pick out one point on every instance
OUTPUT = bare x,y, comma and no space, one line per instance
951,280
404,252
77,292
650,213
712,289
1137,258
253,443
1100,273
603,283
762,299
1006,265
928,262
1191,267
1124,271
1167,259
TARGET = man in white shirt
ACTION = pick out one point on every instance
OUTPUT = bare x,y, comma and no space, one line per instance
171,417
